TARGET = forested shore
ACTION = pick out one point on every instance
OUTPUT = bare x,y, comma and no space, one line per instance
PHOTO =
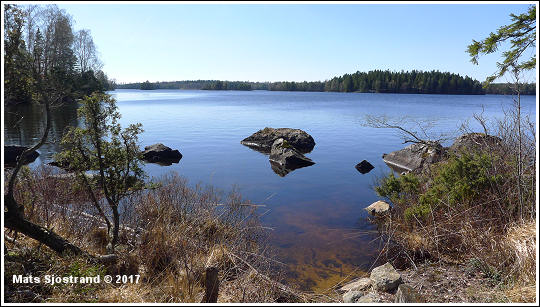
42,50
376,81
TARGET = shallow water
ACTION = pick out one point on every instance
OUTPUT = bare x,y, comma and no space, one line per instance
317,211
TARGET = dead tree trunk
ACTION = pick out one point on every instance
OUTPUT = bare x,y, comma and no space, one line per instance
39,233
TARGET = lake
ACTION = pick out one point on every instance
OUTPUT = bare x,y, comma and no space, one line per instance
316,212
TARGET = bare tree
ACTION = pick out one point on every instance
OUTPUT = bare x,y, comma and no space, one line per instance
86,52
419,135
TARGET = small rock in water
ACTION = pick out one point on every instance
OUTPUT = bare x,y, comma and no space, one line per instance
385,278
364,167
378,207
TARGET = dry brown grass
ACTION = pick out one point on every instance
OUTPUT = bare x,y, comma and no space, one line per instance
520,246
170,235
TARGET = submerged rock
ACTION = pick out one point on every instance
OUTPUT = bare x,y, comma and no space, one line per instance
364,167
385,278
285,155
161,154
377,208
415,156
263,139
12,153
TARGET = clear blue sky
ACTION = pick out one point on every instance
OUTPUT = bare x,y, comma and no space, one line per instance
272,42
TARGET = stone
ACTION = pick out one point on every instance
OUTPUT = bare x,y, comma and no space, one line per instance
263,139
415,157
379,207
284,154
369,298
407,294
475,142
12,153
161,154
352,296
364,167
385,278
361,284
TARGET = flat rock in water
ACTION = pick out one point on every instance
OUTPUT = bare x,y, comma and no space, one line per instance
385,278
414,157
361,284
285,155
161,154
364,167
407,294
263,139
378,207
12,153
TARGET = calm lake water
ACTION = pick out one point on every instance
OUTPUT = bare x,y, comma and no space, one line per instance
317,212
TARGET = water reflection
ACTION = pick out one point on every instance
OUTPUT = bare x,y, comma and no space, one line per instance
281,170
24,125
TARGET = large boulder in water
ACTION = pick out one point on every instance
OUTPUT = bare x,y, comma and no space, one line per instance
415,157
12,153
285,155
262,140
476,143
159,153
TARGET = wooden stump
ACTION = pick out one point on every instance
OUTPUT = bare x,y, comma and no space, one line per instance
211,284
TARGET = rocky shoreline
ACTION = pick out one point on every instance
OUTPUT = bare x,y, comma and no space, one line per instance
437,282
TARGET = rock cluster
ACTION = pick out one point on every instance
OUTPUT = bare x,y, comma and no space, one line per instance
285,146
383,279
418,156
263,139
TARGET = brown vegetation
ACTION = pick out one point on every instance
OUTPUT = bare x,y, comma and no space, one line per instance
477,207
170,235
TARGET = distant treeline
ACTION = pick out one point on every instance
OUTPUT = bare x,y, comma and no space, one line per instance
508,89
376,81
